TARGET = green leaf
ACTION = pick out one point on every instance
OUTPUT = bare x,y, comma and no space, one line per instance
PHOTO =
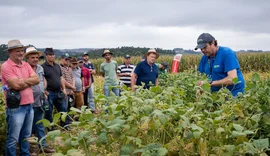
238,127
56,117
236,134
63,116
57,154
261,143
256,77
250,148
83,134
248,132
54,133
220,130
45,122
256,117
235,80
75,110
71,152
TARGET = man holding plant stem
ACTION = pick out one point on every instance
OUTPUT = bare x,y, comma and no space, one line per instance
220,64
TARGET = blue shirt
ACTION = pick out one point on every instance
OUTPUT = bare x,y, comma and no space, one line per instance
146,73
90,65
216,68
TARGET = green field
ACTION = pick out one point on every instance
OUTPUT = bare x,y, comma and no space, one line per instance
172,118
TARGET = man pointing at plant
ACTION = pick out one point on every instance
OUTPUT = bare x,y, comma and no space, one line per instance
220,64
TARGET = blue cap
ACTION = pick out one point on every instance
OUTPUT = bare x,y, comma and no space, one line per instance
80,59
65,56
203,39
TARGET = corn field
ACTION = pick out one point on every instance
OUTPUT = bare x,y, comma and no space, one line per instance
249,62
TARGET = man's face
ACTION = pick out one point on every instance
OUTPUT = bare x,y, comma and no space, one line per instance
127,60
85,57
209,49
65,61
108,57
32,59
50,57
80,64
73,65
151,58
16,54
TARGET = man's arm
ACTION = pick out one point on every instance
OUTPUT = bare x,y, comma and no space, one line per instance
227,80
156,84
32,80
133,79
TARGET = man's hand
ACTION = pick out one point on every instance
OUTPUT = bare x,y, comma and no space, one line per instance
64,91
73,88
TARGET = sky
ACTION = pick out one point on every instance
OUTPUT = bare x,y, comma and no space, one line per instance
167,24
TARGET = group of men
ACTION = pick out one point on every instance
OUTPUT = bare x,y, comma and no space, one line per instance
51,84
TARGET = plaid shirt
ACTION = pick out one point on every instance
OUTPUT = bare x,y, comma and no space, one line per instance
67,75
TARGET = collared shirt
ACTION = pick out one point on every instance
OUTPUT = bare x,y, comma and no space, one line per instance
53,76
123,68
38,90
216,68
90,65
146,74
12,70
67,75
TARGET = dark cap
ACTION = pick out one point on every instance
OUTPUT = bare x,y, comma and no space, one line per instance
80,59
203,39
165,65
65,56
49,51
73,60
127,56
85,53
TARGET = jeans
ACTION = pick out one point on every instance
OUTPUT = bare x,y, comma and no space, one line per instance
59,105
39,128
85,98
114,90
19,123
91,96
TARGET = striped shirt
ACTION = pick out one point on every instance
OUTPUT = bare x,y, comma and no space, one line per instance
125,69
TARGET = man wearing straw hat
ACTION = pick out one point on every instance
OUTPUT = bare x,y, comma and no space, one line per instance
32,58
18,77
146,71
108,69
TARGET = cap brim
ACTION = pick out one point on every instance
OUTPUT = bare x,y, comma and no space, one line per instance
157,54
33,52
107,53
200,46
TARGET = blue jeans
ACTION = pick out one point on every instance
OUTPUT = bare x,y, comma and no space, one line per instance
59,104
114,90
91,97
19,123
39,128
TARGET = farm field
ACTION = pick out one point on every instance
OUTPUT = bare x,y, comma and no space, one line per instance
172,118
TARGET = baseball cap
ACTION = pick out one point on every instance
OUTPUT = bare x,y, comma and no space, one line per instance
49,51
65,56
85,53
80,59
165,65
203,39
127,56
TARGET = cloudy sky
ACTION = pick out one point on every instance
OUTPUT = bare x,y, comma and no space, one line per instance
239,24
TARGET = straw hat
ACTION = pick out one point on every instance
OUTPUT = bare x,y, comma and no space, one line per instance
73,60
32,50
14,44
152,51
106,52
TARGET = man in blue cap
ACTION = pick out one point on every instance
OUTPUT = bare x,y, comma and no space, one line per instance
220,64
